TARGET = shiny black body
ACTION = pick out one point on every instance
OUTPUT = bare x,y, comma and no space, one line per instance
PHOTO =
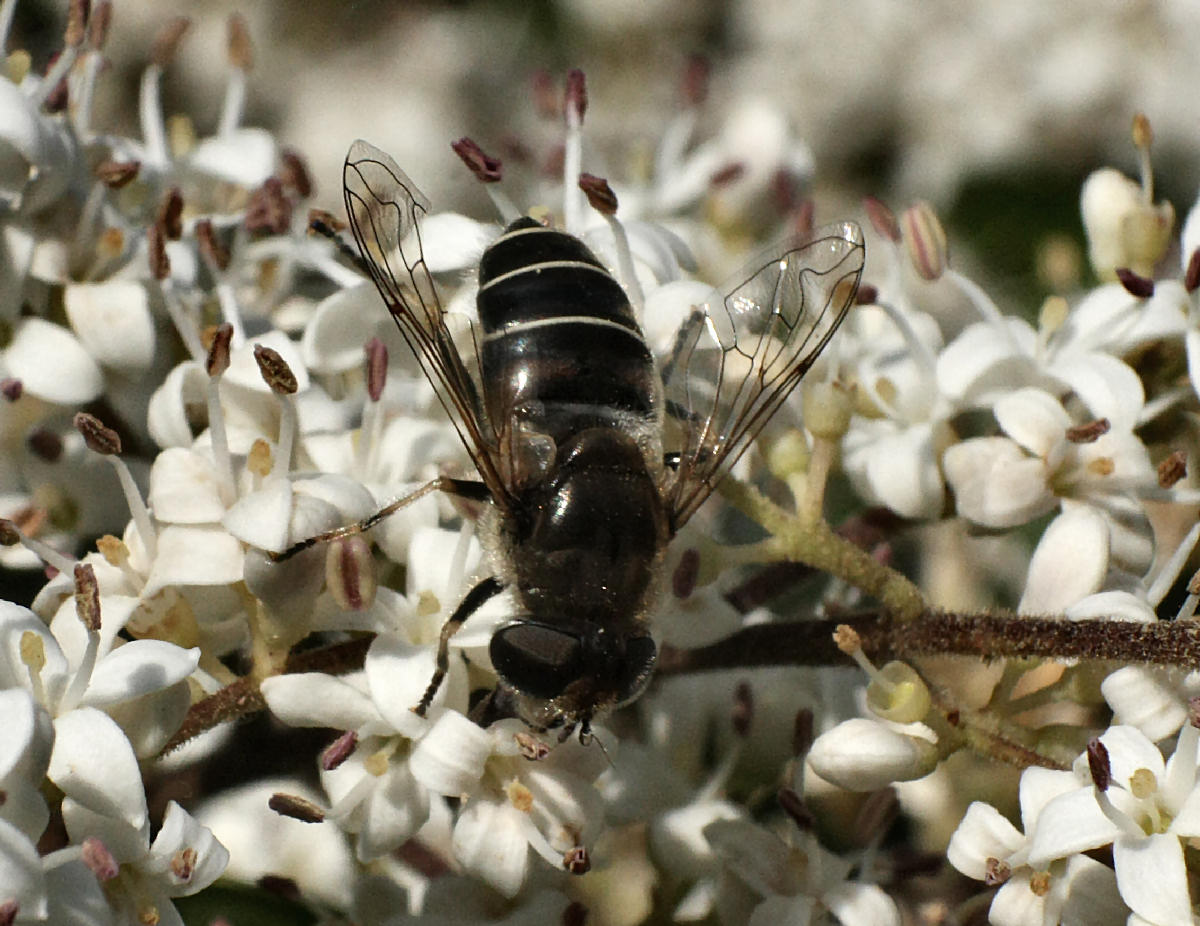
566,369
560,405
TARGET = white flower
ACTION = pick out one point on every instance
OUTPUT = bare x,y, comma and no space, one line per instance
1006,481
987,847
1147,809
67,668
105,814
789,883
863,754
26,739
374,793
511,803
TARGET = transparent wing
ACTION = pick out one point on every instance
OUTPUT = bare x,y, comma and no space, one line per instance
737,358
384,207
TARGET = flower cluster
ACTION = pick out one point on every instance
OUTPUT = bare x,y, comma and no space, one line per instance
190,375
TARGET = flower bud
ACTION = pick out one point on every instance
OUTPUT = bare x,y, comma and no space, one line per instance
863,755
898,694
827,409
1123,229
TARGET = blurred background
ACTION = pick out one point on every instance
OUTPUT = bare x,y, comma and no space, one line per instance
994,112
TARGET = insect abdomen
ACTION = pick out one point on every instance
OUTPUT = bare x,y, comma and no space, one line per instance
560,340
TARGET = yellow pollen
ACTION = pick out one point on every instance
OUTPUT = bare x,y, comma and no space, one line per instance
427,604
520,796
259,459
1142,783
33,651
1039,883
113,550
1102,466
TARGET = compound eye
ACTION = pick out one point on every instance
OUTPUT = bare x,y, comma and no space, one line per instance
640,655
537,659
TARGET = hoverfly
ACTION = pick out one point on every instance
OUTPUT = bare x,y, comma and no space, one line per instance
561,407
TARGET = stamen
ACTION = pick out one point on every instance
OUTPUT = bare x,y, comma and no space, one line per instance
602,198
33,656
279,376
574,106
489,171
107,443
241,57
11,534
296,807
1143,137
154,133
216,365
372,417
87,607
160,269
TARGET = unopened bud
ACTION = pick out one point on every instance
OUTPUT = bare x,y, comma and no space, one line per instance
350,572
486,168
166,43
241,48
275,370
600,195
828,407
865,755
925,240
296,807
101,439
898,694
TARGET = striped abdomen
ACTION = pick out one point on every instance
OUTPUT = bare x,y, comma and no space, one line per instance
561,348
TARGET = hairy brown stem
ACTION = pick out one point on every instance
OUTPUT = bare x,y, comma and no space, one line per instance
244,697
937,633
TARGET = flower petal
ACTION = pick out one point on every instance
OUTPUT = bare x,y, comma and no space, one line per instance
51,363
94,764
1152,877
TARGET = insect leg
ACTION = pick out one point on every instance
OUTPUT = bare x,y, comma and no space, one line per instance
464,488
475,599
